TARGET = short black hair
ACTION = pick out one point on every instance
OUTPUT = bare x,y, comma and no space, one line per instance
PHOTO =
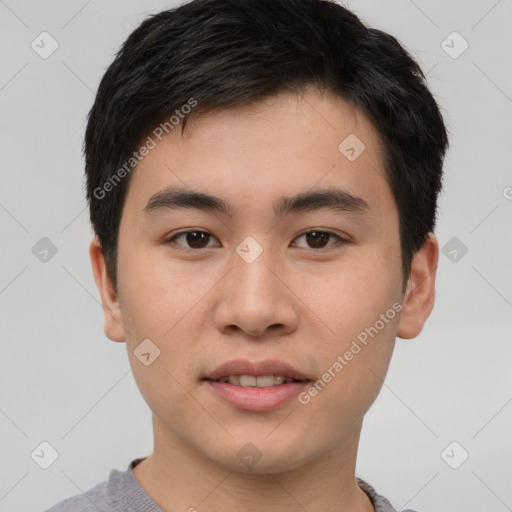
219,54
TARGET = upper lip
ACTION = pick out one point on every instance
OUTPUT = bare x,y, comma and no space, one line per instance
244,367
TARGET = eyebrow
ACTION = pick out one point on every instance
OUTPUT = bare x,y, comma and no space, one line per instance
334,199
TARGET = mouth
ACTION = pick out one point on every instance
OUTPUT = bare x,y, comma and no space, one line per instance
257,381
260,386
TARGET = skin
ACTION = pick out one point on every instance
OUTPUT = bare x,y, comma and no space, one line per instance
294,303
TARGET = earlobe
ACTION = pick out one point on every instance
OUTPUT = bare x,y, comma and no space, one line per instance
114,328
420,292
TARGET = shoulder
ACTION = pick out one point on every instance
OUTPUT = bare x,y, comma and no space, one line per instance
380,503
94,500
119,492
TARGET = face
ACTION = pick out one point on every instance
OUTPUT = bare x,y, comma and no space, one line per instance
292,269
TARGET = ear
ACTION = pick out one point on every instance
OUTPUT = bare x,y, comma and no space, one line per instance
420,292
114,328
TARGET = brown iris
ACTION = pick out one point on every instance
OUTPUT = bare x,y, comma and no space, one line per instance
317,239
197,239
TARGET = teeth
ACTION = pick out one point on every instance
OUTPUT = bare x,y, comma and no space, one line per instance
261,381
279,379
265,381
234,379
248,380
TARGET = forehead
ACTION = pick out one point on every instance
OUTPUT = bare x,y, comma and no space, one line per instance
252,155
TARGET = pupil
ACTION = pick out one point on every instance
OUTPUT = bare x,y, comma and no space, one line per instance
194,239
315,238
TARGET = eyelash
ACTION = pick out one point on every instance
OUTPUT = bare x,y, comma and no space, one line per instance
172,240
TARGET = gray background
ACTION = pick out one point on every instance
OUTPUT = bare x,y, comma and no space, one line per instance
62,381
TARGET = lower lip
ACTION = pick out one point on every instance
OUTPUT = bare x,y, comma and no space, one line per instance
257,399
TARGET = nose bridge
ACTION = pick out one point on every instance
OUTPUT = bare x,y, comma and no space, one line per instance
252,298
255,286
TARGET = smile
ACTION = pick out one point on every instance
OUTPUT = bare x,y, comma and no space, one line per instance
259,381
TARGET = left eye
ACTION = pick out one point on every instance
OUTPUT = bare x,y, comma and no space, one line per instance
318,239
194,239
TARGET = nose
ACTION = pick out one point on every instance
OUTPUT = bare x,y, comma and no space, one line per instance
255,298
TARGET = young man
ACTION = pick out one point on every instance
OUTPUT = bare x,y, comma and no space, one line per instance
262,178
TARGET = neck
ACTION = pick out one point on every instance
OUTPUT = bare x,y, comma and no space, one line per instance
178,478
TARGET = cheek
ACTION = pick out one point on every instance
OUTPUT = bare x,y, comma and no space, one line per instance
360,305
164,382
353,295
155,295
353,369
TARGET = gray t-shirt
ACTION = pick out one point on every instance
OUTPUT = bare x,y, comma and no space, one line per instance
123,493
